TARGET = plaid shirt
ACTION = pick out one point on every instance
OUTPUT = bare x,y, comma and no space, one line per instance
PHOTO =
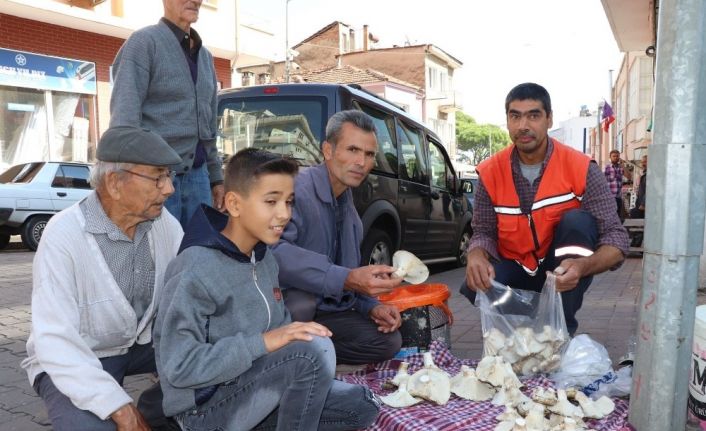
614,176
596,200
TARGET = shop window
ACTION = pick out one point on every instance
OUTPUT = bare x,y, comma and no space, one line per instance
23,126
40,125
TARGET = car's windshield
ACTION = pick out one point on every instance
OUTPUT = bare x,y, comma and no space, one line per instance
291,126
23,173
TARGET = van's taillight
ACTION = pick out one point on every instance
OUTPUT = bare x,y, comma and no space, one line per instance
271,90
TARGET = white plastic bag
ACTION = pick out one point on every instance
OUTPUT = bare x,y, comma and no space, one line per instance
584,361
612,384
526,328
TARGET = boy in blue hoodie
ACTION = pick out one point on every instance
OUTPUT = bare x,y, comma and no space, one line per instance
227,353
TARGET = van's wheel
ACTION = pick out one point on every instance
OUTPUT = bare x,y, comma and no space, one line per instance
462,251
4,241
376,249
32,231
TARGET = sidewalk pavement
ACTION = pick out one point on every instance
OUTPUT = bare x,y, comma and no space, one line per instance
609,316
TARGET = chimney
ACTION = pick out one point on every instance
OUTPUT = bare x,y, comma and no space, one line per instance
365,37
351,32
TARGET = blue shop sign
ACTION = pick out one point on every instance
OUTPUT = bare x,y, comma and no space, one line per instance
24,69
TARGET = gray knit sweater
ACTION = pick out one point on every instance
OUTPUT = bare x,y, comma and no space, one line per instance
153,89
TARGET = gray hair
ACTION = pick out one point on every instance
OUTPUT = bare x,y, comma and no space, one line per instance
100,169
357,118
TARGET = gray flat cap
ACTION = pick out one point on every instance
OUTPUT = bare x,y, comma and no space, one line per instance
125,144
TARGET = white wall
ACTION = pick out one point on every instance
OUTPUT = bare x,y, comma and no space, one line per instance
571,132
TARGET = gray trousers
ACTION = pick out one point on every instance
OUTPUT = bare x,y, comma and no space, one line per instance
64,415
357,339
289,389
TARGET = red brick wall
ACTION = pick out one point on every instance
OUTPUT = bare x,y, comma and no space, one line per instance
42,38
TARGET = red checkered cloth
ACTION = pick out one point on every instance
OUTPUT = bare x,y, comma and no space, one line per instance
457,414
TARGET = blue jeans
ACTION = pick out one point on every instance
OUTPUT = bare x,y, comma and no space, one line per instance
576,228
190,190
289,389
65,416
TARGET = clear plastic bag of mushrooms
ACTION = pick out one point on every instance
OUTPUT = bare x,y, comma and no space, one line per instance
527,329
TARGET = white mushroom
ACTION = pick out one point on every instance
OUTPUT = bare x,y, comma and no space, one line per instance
509,414
505,426
595,409
520,425
551,364
535,419
493,340
402,375
466,385
564,407
509,394
546,396
430,382
568,424
409,267
493,370
400,398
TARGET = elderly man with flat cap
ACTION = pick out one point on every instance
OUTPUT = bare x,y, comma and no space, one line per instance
97,279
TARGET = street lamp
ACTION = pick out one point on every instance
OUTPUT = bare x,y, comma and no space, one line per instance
286,40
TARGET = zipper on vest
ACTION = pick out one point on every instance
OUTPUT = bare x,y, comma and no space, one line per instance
534,231
534,238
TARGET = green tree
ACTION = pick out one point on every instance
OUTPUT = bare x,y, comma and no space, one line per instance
477,137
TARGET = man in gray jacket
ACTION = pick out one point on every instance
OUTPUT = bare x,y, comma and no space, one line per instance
319,252
165,81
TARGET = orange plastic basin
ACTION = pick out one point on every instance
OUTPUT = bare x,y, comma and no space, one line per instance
419,295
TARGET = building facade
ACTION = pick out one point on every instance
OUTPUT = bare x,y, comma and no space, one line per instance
339,45
55,68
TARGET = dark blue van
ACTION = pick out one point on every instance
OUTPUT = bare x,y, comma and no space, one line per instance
412,199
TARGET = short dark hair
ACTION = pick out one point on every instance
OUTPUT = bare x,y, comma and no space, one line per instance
614,152
357,118
249,164
529,90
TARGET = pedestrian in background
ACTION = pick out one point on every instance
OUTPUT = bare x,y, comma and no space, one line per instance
165,81
614,172
541,206
96,283
639,210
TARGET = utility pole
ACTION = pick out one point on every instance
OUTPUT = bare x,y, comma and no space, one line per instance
674,222
286,41
490,144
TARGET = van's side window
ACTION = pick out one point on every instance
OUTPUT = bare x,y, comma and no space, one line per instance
386,159
414,158
441,175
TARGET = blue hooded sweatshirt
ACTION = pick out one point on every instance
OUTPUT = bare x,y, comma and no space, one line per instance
216,306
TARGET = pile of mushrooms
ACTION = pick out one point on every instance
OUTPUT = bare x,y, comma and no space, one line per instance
551,410
429,383
494,379
528,352
409,267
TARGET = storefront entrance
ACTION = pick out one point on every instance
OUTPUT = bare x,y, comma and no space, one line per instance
47,109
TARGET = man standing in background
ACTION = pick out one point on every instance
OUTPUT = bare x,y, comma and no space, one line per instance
614,172
165,81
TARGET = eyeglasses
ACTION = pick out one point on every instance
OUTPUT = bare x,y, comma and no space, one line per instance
159,181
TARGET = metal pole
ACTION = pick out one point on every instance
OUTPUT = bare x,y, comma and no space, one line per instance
286,41
674,228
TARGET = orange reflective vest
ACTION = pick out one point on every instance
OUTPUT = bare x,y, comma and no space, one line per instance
526,238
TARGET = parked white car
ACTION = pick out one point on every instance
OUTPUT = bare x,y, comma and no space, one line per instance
30,193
